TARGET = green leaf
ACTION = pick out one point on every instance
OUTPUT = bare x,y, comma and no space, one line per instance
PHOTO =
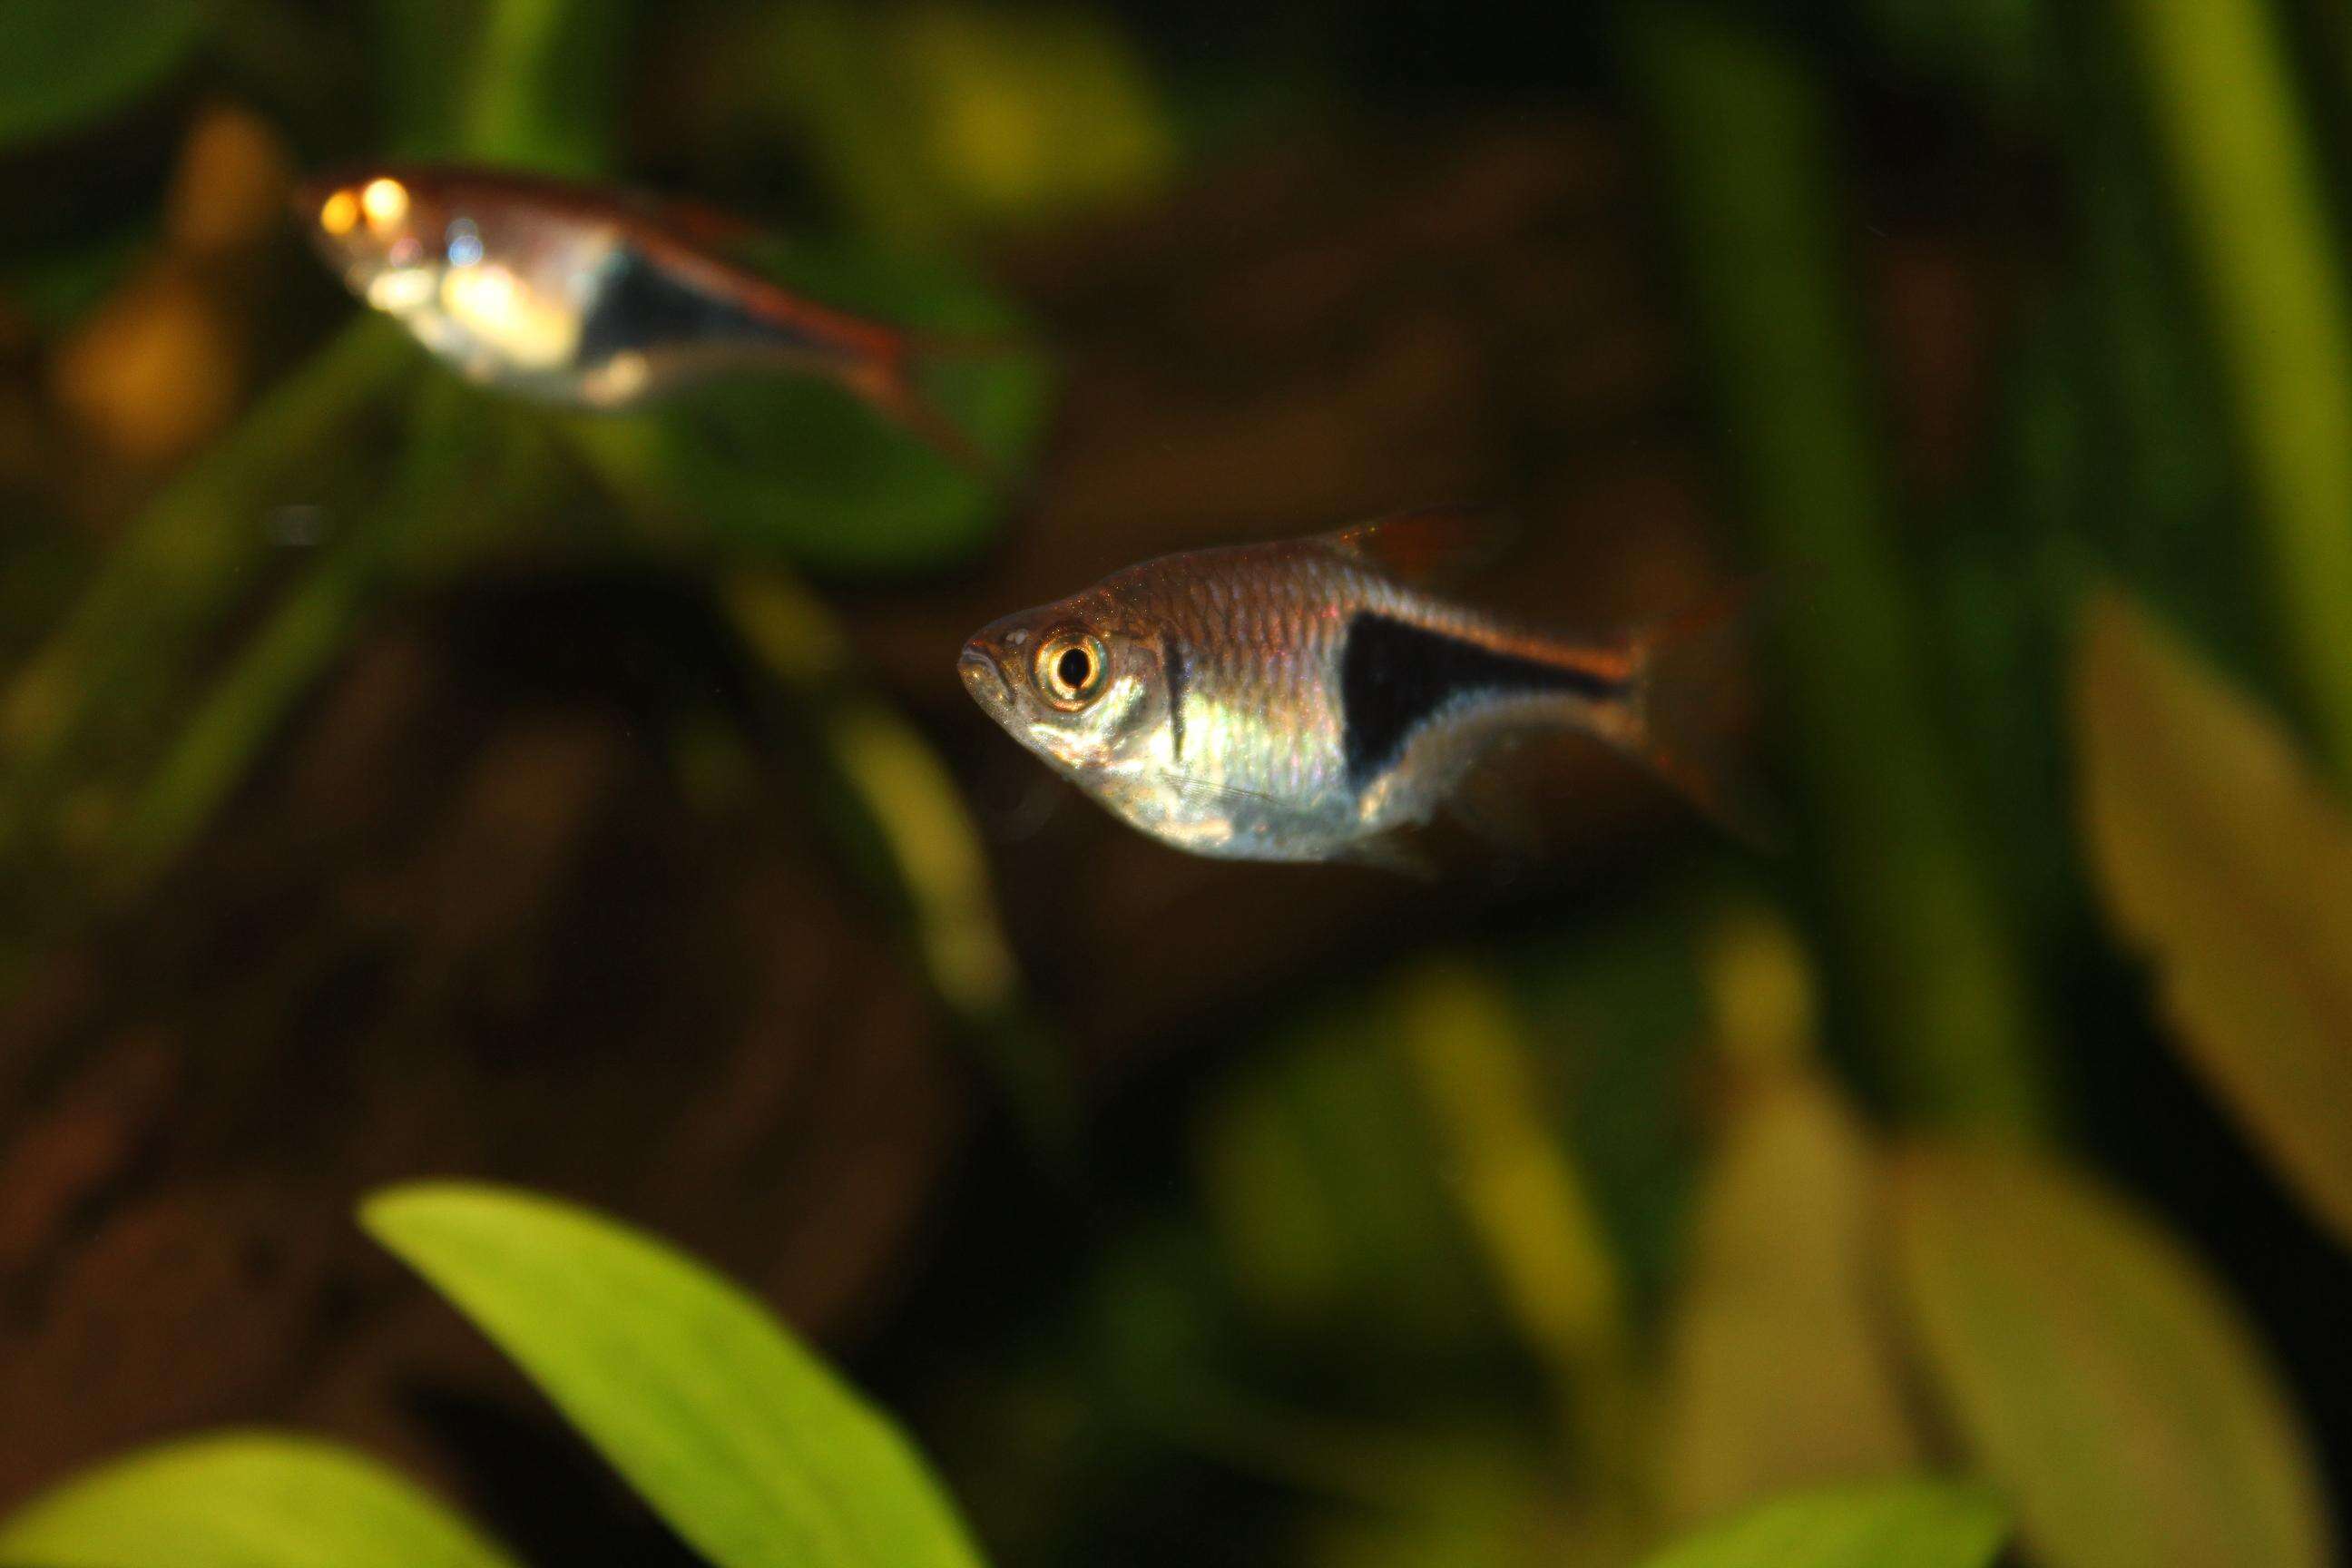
1781,1372
743,1441
1894,1524
2098,1373
62,63
2221,856
242,1500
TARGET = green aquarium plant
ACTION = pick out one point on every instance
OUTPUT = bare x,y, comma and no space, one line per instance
741,1439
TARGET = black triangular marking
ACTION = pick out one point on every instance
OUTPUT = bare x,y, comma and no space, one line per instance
644,306
1393,675
1172,662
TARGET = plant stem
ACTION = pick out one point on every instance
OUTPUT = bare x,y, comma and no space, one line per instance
1746,136
2249,190
108,677
311,623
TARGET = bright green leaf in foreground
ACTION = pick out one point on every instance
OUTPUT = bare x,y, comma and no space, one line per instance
2220,853
743,1441
63,62
1897,1524
2098,1373
241,1501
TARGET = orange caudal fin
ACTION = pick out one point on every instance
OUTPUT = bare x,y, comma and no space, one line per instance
1697,708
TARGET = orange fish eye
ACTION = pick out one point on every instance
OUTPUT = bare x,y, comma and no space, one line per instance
1071,666
338,213
384,202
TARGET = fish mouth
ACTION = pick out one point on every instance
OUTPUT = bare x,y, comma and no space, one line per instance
985,681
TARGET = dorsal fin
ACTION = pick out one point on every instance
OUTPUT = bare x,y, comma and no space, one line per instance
1428,545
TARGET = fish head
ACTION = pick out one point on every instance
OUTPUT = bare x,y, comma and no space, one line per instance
455,267
1079,681
387,234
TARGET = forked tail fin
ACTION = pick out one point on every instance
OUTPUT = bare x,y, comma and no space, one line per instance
891,383
1697,704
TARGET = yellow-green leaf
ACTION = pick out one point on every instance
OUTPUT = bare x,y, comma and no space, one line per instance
1890,1524
1780,1370
242,1500
2220,853
744,1442
2098,1373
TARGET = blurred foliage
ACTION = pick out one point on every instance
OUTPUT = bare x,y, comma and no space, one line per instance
1823,1212
933,117
2221,855
2098,1373
539,88
1747,136
62,64
2248,181
1780,1365
1921,1526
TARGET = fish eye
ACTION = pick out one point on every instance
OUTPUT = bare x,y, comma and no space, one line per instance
384,202
340,211
1070,668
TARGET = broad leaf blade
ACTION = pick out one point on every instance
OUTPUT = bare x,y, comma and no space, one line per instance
242,1500
2098,1373
2220,853
1780,1370
743,1441
63,62
1913,1524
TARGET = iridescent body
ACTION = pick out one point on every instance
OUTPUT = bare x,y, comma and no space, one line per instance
572,295
1301,700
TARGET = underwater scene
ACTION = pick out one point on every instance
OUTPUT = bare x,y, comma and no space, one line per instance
1084,785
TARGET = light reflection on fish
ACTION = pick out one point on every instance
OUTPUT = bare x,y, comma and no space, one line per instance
574,296
1311,700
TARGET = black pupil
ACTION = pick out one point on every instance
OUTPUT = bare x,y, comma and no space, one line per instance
1075,665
